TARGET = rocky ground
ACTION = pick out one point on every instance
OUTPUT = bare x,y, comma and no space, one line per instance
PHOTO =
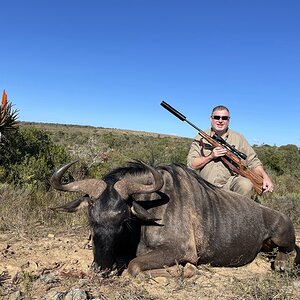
52,265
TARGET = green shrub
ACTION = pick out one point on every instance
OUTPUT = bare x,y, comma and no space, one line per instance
288,204
29,157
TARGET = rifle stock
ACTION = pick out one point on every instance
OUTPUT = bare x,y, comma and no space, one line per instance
236,165
230,159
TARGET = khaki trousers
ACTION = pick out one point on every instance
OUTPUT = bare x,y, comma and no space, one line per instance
241,185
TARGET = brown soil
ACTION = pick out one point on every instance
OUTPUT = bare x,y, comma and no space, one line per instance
41,266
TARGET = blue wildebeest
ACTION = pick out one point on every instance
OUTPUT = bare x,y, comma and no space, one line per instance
149,218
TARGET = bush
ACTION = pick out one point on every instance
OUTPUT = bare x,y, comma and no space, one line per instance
288,204
29,157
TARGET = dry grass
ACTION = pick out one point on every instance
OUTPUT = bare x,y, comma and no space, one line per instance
24,210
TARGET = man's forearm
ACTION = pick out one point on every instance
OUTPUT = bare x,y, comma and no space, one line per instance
201,161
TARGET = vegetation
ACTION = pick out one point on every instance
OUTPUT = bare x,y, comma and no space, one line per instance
33,151
30,154
29,157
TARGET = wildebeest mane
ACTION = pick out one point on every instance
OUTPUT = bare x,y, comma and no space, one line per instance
173,170
134,168
201,180
137,168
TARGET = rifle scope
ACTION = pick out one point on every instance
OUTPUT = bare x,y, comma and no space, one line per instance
230,147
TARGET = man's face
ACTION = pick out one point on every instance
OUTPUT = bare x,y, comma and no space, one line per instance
220,121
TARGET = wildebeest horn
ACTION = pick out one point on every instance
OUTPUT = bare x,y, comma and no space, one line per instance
142,213
133,185
92,187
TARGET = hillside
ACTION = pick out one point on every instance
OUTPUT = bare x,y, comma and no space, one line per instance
54,128
97,144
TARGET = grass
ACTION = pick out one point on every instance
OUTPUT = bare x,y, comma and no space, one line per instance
29,210
273,286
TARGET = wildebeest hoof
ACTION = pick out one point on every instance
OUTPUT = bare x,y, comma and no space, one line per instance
190,270
279,265
133,269
284,261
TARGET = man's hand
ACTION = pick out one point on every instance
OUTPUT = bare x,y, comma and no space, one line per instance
267,185
218,152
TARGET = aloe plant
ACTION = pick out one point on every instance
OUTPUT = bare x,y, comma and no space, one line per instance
8,116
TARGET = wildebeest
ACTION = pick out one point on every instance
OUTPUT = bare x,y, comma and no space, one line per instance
149,218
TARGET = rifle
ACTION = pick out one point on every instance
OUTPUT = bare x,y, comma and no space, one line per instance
232,158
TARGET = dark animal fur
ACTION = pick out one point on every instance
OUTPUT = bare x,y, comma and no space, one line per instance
199,223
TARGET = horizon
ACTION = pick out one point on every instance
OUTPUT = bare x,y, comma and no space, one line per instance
135,131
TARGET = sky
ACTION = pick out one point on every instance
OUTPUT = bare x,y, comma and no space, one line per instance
110,63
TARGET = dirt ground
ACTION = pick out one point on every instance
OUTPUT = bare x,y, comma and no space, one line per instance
53,265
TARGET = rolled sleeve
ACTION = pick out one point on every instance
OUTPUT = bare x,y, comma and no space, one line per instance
195,151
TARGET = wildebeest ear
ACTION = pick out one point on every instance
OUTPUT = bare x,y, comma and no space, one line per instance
142,213
74,205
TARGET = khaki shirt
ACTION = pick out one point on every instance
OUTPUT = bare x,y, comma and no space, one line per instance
216,171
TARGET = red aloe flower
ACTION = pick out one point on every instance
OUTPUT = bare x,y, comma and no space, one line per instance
4,99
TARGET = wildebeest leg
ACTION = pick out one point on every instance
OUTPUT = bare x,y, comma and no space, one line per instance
283,238
286,260
186,271
156,263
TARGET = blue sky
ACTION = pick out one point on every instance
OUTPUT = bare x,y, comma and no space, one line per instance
109,63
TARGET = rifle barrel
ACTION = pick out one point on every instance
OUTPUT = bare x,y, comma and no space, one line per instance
177,114
173,111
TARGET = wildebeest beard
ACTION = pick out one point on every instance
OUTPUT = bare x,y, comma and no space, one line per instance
115,234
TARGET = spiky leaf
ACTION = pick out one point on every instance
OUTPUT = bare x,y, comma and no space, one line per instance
8,118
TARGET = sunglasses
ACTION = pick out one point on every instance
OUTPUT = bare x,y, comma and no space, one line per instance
225,118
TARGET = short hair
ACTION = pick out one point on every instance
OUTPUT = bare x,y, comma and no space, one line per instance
220,107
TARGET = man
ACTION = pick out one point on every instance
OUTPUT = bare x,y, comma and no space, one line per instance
206,160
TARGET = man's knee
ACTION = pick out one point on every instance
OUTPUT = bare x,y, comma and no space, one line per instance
244,186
